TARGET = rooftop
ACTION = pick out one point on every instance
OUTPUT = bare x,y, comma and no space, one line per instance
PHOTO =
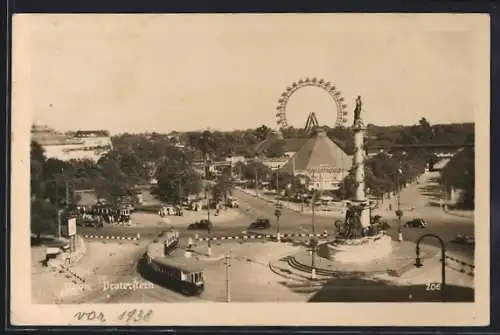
318,152
175,259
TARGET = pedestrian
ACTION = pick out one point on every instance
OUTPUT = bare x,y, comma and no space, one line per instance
390,207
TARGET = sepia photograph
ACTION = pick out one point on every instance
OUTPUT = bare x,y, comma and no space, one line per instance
260,163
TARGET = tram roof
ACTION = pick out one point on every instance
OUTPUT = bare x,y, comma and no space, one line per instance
176,259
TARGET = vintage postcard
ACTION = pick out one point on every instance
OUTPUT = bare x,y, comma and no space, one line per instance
250,169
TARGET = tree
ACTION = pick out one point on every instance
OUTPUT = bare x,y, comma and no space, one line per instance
176,179
255,169
37,161
289,183
112,183
43,217
276,149
223,187
459,173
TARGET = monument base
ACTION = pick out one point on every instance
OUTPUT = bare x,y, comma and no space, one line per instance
359,251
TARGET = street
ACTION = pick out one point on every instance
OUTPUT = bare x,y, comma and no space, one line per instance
233,222
149,225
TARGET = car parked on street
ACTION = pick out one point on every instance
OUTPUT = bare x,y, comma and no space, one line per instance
167,210
416,223
202,224
232,203
465,240
260,223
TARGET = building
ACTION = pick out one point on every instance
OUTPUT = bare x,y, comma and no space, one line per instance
321,161
82,144
274,163
236,159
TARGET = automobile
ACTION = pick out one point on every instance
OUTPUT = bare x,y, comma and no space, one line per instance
202,224
416,223
468,240
166,210
260,223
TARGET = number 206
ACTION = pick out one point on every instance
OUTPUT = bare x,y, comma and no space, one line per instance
432,286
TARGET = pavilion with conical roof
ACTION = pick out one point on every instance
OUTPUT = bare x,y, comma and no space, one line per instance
321,160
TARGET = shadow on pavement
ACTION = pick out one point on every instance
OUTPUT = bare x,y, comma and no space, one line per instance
35,242
368,290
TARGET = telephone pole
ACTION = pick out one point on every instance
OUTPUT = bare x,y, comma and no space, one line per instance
313,198
59,223
277,185
228,286
256,182
66,184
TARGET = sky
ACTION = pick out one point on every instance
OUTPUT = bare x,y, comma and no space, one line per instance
145,73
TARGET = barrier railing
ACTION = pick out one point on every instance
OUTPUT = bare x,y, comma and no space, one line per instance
110,237
464,266
257,236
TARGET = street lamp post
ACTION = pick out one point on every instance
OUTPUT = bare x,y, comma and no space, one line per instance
277,186
313,206
445,195
277,213
59,210
399,212
228,286
209,229
418,261
313,242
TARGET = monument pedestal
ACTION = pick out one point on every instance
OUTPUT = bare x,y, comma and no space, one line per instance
362,208
361,250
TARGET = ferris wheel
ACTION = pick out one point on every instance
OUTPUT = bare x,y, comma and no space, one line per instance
320,83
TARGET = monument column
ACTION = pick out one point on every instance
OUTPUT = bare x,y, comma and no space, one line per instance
360,202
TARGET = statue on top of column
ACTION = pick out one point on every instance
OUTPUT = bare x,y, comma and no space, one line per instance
357,113
357,110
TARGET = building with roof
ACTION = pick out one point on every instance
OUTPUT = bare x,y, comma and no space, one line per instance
83,144
320,161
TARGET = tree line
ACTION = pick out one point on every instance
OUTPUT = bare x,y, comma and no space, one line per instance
137,158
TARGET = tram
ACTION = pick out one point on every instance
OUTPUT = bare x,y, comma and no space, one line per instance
177,273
